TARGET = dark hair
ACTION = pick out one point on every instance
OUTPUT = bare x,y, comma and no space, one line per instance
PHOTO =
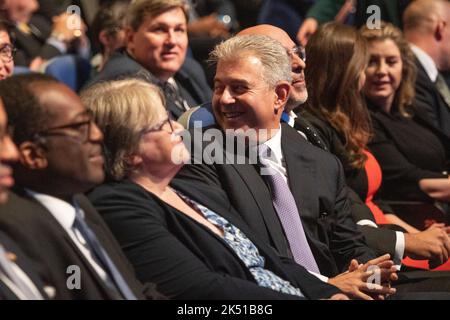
25,112
109,18
337,55
5,26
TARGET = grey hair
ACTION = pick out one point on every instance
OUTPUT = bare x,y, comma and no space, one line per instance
273,56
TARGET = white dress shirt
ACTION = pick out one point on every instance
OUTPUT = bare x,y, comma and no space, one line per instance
65,213
426,61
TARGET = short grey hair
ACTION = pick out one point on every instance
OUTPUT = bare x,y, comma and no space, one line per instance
273,56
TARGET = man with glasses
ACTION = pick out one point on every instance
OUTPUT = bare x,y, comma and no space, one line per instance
6,52
60,158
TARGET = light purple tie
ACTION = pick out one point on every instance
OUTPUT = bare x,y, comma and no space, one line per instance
285,205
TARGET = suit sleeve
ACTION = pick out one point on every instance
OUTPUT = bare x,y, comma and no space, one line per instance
348,242
160,257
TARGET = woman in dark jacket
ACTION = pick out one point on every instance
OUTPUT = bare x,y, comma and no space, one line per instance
182,236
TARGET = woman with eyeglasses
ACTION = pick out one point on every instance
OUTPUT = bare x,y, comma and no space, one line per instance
190,251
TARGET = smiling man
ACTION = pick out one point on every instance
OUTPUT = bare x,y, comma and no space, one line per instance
60,158
6,52
156,46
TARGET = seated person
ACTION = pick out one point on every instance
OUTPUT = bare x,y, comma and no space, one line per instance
343,122
414,156
108,29
18,279
189,249
60,158
6,52
37,39
156,45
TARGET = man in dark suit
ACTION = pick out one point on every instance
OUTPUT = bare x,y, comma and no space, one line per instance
156,46
39,38
56,226
426,28
251,89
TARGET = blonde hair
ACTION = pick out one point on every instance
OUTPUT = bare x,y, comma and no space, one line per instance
273,56
139,10
404,95
122,109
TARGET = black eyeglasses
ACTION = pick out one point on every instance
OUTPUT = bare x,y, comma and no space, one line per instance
7,52
159,126
299,51
81,131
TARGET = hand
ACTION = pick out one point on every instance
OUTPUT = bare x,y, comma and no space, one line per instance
209,25
354,282
64,31
308,28
432,244
438,188
36,63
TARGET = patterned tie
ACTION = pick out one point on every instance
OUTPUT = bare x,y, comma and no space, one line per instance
100,253
284,203
7,269
172,94
443,89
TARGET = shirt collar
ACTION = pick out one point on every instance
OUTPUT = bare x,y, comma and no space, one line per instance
426,61
61,210
274,144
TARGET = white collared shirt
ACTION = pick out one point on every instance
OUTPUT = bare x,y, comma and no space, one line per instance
426,61
65,213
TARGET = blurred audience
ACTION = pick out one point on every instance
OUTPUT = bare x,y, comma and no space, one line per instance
336,66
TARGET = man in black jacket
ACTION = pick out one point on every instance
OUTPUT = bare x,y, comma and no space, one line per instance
426,27
56,226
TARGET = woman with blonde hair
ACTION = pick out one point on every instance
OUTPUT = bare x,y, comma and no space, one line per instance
336,73
189,250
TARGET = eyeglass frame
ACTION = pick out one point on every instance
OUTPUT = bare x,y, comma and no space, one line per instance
159,126
75,126
299,51
4,58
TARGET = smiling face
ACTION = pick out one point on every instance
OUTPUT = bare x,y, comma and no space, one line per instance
242,99
74,160
160,43
384,72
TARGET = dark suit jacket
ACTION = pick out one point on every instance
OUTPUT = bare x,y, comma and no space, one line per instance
184,258
428,96
190,79
30,46
408,150
24,263
382,240
317,182
46,243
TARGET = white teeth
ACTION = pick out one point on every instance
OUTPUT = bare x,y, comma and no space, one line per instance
232,114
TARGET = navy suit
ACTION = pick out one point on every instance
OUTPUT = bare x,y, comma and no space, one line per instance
190,79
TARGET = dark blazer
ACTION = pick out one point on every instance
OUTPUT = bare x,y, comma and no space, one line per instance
46,243
190,79
30,46
408,150
382,240
184,258
434,105
24,263
317,182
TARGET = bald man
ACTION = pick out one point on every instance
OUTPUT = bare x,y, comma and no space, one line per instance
427,28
